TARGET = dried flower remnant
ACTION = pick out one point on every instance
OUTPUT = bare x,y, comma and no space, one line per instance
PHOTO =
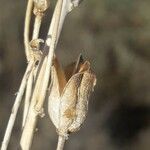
40,6
68,95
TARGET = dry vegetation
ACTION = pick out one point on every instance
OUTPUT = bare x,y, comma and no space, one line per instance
115,35
67,91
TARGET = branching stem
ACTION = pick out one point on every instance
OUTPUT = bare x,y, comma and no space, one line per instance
41,85
28,94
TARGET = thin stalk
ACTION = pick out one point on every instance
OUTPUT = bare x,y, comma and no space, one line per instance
40,7
27,28
37,25
30,124
35,35
49,58
27,97
16,107
61,143
67,6
40,93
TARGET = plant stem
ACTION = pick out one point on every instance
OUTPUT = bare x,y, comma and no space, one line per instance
37,25
16,107
49,58
27,97
27,28
41,85
36,30
30,124
61,143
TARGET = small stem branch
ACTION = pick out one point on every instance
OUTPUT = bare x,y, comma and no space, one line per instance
27,28
30,124
36,30
27,97
16,107
29,129
53,27
37,25
61,143
40,6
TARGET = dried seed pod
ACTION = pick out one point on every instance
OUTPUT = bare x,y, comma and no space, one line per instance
69,94
85,89
68,103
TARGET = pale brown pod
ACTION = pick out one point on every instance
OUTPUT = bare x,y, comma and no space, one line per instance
54,98
68,103
86,87
69,94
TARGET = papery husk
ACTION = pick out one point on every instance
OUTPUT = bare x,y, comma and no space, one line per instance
68,101
86,87
54,98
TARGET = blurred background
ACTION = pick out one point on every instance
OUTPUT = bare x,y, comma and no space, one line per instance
114,35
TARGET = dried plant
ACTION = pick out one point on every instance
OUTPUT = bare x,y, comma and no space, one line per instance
68,97
68,92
